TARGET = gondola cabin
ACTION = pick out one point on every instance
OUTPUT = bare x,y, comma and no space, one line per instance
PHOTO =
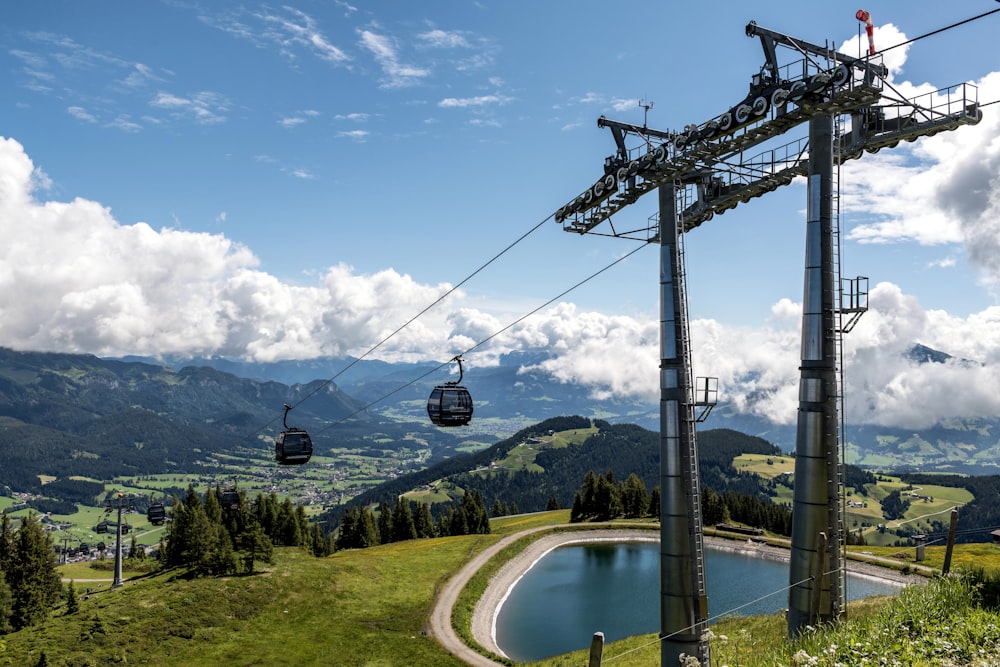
293,447
450,405
156,514
230,500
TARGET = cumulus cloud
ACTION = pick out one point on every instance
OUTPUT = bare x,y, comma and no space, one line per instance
943,189
82,281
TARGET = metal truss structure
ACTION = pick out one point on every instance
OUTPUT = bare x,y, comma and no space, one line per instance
705,169
710,162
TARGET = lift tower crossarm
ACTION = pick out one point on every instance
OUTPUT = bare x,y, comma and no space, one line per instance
769,38
777,101
728,184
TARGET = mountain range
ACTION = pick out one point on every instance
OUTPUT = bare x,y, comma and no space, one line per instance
75,414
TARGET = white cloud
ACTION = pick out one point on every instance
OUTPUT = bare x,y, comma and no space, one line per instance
204,107
296,29
84,282
480,101
357,135
443,39
943,189
81,114
383,49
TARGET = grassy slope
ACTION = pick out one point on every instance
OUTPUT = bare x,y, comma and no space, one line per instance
365,608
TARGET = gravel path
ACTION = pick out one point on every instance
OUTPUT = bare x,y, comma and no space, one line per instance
484,615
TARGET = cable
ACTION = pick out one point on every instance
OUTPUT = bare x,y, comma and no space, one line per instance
418,315
441,298
711,618
939,30
485,340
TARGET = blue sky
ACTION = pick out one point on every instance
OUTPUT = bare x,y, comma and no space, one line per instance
296,180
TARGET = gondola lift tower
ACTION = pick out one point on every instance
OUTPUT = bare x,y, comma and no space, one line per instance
849,108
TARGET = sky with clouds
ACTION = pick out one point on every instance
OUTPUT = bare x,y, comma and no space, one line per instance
297,181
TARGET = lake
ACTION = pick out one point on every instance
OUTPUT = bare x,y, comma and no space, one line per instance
614,588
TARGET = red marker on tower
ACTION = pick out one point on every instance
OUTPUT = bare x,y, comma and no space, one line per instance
862,15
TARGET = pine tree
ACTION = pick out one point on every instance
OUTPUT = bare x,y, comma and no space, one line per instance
72,604
319,543
588,496
385,531
347,533
192,537
498,509
254,545
552,504
367,529
576,513
213,505
654,503
31,574
6,605
287,531
402,521
633,497
423,521
608,504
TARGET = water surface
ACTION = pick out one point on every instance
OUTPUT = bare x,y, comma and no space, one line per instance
614,588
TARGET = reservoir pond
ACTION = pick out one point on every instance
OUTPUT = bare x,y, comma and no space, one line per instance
577,590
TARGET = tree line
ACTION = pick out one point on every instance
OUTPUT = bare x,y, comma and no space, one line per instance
207,539
406,520
602,498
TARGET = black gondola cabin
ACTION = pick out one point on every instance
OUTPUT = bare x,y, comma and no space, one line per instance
156,514
450,404
293,447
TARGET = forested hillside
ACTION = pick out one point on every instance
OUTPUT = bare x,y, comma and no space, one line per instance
66,414
558,472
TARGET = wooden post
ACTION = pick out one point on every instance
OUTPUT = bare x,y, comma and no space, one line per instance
596,649
951,542
818,579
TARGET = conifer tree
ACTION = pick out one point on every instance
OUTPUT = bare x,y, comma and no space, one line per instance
6,605
576,512
213,505
367,529
423,521
498,509
72,604
348,531
633,496
608,504
588,495
287,532
654,503
254,545
31,574
385,531
402,521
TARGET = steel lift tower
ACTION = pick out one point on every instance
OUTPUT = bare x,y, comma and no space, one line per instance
703,170
123,503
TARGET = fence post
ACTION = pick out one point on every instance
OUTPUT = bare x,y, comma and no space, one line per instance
951,542
596,649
